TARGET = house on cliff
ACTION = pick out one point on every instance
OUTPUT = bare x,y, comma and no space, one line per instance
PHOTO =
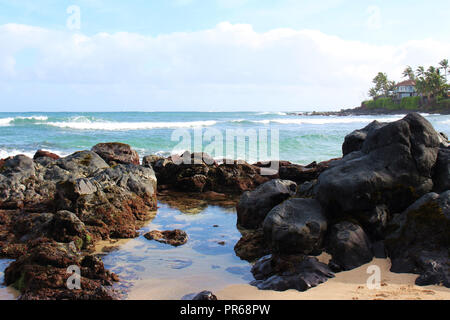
405,89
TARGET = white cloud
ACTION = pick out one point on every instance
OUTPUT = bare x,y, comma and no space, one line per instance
230,65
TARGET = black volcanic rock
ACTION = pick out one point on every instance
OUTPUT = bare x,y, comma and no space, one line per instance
281,273
393,169
295,226
255,205
349,245
420,239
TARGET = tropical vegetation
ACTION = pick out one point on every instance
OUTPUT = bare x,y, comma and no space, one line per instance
431,86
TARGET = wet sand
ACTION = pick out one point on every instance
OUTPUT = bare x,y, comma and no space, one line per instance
349,285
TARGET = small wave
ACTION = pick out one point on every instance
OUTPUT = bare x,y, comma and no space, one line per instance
18,120
126,126
6,153
36,118
445,122
5,121
14,152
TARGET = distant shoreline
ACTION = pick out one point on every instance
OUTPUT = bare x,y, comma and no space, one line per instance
360,111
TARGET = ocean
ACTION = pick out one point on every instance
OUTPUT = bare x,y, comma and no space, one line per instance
302,138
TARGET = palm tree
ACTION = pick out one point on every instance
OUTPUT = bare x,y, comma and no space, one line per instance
409,73
444,65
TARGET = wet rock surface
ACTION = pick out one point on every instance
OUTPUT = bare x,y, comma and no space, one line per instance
173,237
252,246
42,273
281,273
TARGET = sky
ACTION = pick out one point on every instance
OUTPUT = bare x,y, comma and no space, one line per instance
210,55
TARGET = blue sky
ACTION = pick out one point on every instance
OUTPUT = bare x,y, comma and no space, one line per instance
208,54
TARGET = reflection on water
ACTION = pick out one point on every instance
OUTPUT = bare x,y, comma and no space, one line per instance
6,293
152,270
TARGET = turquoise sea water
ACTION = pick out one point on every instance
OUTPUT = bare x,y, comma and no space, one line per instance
302,139
150,270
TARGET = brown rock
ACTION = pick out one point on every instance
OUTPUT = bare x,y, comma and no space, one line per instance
116,152
45,154
174,238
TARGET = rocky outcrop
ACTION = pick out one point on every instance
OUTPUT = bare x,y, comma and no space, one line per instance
296,226
420,239
282,273
198,172
115,152
149,161
255,205
174,237
42,273
349,246
50,204
111,202
392,169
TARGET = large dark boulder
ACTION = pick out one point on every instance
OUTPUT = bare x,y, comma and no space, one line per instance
296,226
355,140
441,175
115,152
348,245
420,238
393,169
281,273
255,205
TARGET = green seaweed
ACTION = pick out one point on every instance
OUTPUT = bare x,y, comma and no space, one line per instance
20,283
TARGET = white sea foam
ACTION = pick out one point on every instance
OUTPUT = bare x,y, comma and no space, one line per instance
29,153
8,121
125,126
36,118
5,121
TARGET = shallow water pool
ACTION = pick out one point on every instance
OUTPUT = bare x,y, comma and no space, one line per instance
151,270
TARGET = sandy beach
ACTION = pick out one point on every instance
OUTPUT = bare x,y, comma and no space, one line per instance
348,285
